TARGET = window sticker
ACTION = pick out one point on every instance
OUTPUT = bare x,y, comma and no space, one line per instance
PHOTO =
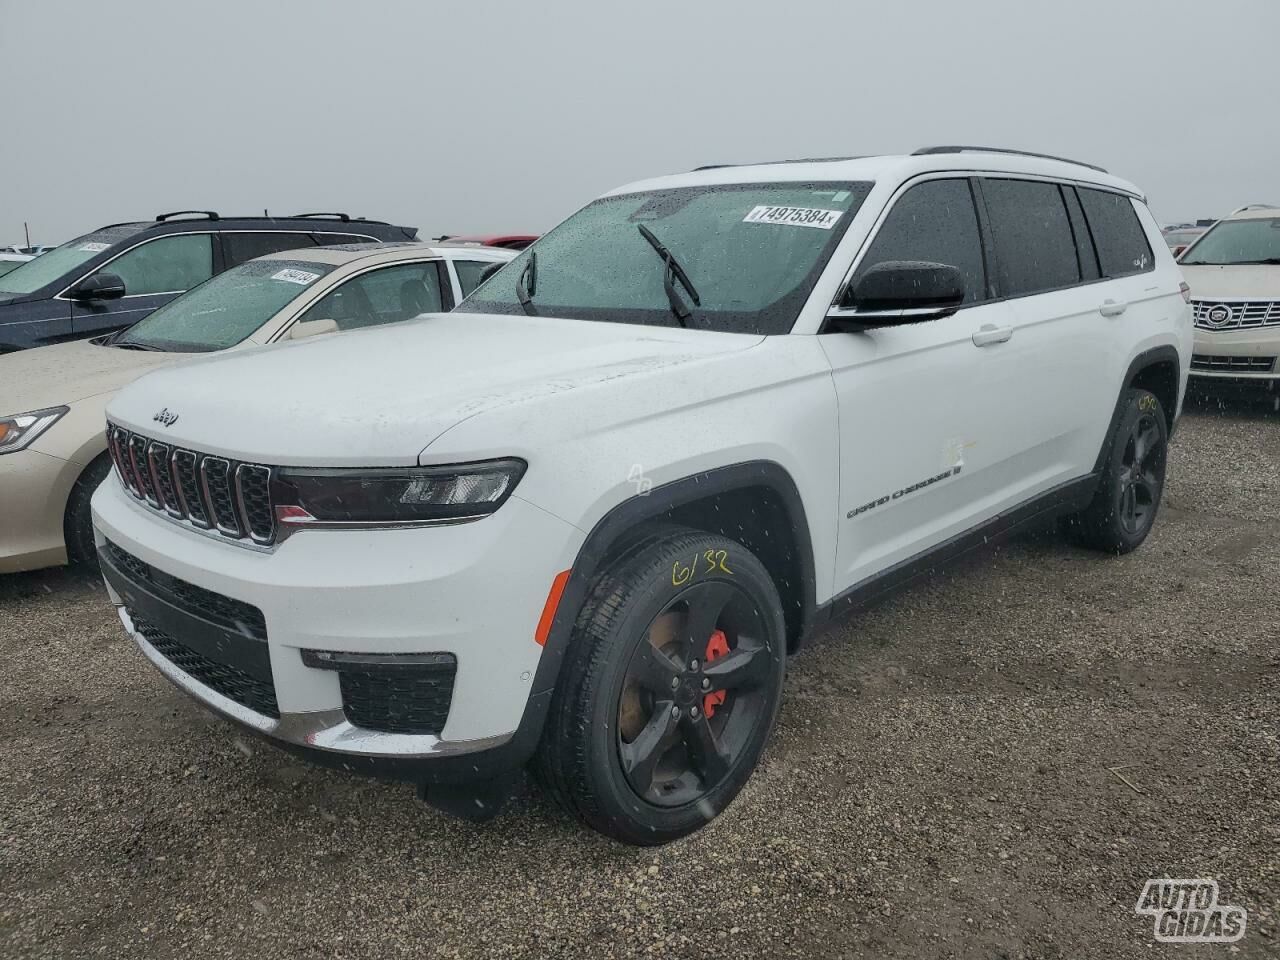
301,277
794,216
94,247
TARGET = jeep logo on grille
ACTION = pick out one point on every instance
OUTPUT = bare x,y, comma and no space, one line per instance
166,417
1219,315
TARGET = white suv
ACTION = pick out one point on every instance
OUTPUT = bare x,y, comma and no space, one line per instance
581,520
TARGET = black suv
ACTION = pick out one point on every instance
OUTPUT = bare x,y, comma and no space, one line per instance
115,276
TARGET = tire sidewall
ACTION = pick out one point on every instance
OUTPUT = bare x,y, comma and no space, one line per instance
1138,403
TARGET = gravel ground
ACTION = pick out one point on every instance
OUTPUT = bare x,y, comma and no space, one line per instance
989,765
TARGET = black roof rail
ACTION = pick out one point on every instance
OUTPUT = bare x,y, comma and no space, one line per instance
207,214
927,151
342,217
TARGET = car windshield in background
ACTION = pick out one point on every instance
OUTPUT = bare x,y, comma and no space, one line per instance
48,267
225,310
752,252
1236,242
8,266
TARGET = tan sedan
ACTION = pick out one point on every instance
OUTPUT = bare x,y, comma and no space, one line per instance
53,399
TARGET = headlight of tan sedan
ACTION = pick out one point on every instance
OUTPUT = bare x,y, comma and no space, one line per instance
20,430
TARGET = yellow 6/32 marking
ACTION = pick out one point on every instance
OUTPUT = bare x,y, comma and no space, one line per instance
682,573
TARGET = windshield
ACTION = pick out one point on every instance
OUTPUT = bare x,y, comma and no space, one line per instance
225,310
48,267
752,252
1236,241
8,266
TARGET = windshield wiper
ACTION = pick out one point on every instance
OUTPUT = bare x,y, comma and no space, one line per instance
671,273
133,345
524,293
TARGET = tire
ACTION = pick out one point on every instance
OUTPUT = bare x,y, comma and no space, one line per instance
613,752
77,525
1124,507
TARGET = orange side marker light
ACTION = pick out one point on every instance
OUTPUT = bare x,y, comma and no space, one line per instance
549,609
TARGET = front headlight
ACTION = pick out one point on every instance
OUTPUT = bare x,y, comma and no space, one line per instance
20,431
394,496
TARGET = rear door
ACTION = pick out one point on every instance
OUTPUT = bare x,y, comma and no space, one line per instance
923,407
1054,369
154,272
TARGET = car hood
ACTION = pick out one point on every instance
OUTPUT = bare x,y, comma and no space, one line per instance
63,373
1259,281
378,397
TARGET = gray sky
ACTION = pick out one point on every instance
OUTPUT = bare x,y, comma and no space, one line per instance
471,117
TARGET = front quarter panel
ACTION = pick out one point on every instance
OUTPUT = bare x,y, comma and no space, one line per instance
593,448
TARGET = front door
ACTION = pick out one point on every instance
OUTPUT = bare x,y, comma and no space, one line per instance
154,273
920,418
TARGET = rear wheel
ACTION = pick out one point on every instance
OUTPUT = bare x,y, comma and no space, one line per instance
77,525
670,688
1124,508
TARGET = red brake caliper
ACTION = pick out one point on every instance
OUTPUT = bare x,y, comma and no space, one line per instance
717,647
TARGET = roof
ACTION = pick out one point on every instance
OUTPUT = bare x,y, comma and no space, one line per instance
344,253
1260,212
899,167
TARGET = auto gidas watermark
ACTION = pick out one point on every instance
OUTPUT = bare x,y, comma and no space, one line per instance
1188,911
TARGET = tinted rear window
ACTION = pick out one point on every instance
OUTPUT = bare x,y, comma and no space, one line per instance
1035,249
1117,233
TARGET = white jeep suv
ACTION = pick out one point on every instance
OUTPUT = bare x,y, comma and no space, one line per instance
581,520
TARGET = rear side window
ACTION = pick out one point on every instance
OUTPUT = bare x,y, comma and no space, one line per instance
239,247
166,265
1031,233
469,272
1117,233
933,221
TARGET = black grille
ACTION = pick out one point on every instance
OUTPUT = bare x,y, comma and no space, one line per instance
243,618
392,693
162,475
184,469
254,487
141,471
217,485
1202,361
231,682
204,491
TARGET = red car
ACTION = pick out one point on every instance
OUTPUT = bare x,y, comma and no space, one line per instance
510,241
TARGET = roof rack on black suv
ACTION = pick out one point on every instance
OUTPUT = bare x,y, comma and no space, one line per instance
207,214
344,217
119,273
927,151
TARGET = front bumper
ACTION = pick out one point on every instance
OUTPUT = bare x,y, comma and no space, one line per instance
34,488
473,590
1249,354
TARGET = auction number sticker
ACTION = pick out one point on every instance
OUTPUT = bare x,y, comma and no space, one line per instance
94,247
794,216
295,276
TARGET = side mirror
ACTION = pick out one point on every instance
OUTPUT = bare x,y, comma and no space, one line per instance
312,328
99,286
898,292
1177,250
